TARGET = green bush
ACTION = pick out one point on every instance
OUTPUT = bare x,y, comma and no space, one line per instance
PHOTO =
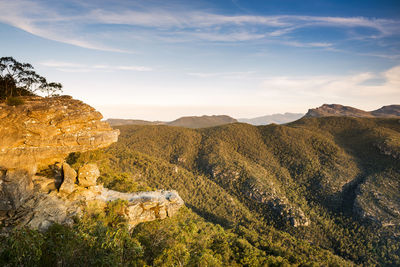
14,101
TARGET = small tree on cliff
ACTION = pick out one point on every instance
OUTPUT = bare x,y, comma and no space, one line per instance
18,79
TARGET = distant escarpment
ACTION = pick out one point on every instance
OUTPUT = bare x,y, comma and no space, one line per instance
120,122
187,122
37,186
326,110
203,121
274,118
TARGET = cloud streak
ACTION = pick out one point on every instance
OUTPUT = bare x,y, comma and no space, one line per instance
49,24
76,67
153,22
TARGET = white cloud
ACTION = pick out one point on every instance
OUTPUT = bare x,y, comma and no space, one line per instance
60,64
229,75
46,23
180,25
133,68
336,87
76,67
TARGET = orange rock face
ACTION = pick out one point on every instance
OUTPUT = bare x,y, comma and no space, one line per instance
44,130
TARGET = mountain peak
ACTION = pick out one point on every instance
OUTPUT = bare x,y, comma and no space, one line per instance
328,110
202,121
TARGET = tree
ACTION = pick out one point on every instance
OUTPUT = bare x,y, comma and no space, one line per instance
17,79
50,88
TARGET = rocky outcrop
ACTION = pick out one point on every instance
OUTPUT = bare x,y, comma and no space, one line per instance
326,110
389,149
88,174
41,133
279,205
267,195
337,110
46,130
45,207
145,206
377,200
69,179
387,111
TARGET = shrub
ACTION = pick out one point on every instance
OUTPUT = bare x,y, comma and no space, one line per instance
14,101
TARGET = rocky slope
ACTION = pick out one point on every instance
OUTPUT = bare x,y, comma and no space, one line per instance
37,188
340,110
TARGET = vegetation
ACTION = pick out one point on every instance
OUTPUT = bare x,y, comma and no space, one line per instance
14,101
20,79
229,177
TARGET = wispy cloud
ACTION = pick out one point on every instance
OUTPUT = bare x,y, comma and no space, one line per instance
337,87
229,75
155,22
76,67
47,23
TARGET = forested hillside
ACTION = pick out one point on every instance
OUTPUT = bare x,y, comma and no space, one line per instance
319,190
330,183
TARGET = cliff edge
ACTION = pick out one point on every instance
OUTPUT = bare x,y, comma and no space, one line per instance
39,134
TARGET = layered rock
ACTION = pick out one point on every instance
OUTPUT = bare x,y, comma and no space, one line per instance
41,133
145,206
45,207
46,130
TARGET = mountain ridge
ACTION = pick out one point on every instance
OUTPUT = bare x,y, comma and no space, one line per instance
340,110
277,118
186,121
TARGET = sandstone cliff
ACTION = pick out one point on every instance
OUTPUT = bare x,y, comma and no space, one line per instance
46,130
40,134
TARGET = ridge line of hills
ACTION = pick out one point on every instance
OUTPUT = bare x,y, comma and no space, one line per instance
326,110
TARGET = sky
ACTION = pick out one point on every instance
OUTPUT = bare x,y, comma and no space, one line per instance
160,60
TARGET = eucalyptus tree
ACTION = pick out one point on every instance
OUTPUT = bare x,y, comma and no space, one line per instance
17,79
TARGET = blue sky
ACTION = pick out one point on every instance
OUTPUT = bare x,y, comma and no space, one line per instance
159,60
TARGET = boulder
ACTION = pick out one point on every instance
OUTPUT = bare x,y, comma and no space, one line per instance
146,206
44,184
15,187
88,174
69,179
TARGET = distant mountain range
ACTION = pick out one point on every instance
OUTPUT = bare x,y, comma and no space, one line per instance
274,118
188,122
346,111
120,122
326,110
202,122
